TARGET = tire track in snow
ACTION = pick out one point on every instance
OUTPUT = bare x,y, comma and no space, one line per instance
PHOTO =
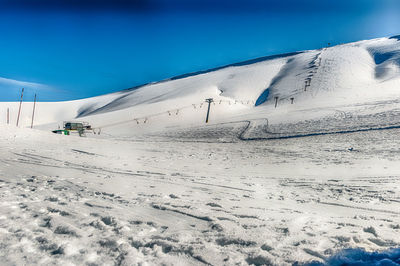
96,170
358,208
299,135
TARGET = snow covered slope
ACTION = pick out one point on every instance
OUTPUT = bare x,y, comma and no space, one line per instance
348,87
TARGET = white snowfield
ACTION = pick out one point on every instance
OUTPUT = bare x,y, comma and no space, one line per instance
299,160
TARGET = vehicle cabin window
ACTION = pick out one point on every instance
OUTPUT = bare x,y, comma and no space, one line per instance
73,126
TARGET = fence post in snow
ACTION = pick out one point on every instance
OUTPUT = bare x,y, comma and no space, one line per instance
276,102
291,100
209,101
20,104
8,116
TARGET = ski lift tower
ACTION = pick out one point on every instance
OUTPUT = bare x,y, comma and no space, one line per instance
209,101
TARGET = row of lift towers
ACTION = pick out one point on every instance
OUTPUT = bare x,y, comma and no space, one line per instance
73,126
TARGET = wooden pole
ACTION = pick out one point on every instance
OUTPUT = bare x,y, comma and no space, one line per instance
33,112
20,104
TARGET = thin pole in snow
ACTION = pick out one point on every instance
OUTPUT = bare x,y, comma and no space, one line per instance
276,102
209,101
33,112
20,104
8,116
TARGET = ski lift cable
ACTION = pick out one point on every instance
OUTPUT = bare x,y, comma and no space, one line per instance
169,112
144,117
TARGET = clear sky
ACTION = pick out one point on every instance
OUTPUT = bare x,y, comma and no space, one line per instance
71,49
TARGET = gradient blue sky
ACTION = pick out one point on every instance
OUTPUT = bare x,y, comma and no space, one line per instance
70,49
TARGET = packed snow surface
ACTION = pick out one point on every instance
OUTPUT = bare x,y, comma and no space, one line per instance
300,160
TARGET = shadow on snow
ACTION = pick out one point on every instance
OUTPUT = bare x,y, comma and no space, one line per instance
360,257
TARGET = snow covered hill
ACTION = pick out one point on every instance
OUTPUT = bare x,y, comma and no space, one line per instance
348,87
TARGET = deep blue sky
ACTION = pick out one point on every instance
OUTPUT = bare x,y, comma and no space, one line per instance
74,49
